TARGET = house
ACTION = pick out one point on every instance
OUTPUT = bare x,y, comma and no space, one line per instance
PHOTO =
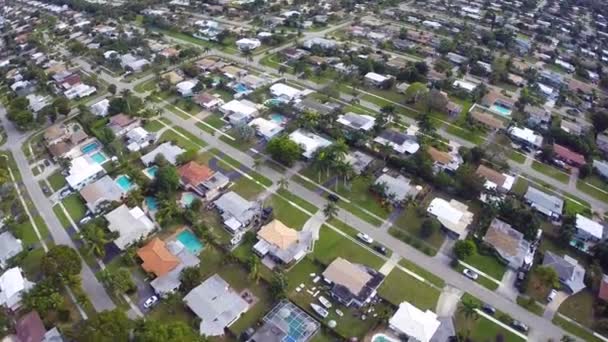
101,108
254,82
325,44
537,116
498,103
13,285
403,143
79,91
37,102
279,244
185,88
398,189
602,142
283,91
166,262
526,136
509,244
99,194
352,284
55,134
9,247
248,44
571,127
309,142
588,233
313,106
216,305
82,171
546,204
207,100
568,156
131,225
276,326
601,167
122,123
488,120
417,325
128,61
30,328
445,161
456,58
571,274
265,128
502,182
169,151
358,160
172,77
237,212
233,72
209,64
357,122
293,54
202,180
464,85
375,79
239,112
138,138
454,216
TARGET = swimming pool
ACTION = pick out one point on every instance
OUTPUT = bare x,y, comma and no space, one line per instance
151,171
502,110
383,338
187,199
190,241
151,203
99,158
274,102
278,118
240,88
124,183
90,147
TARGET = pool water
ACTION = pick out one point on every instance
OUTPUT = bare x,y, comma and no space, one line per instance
151,171
273,102
88,148
124,183
187,199
504,111
382,338
240,88
99,158
151,203
190,241
278,118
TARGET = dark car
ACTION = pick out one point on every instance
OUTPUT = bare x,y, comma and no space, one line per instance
266,213
333,198
381,249
488,309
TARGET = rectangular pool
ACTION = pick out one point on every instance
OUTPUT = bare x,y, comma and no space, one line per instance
99,158
151,172
152,204
190,241
90,147
501,110
124,183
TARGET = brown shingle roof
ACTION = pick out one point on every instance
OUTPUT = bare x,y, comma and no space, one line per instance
157,258
491,175
278,234
439,156
343,272
59,149
487,119
30,328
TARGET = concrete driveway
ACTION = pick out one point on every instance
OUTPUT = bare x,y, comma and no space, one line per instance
552,307
448,301
507,287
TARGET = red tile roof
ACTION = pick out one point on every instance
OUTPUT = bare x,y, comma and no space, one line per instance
193,173
30,328
568,155
157,258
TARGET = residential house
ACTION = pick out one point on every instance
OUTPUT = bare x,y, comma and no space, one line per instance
313,106
538,116
30,328
352,284
82,171
209,64
121,123
501,182
454,216
233,72
280,245
571,127
602,142
276,326
417,325
309,142
237,213
131,225
488,120
138,138
79,91
357,122
56,133
172,77
526,136
248,44
265,128
130,62
445,161
568,156
165,261
9,247
186,88
13,285
456,58
498,103
403,143
208,101
325,44
588,233
216,305
202,180
570,273
254,82
398,189
509,244
239,112
465,85
101,108
546,204
285,92
169,151
375,79
358,160
601,167
37,102
293,54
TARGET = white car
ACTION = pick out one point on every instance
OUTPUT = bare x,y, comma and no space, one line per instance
551,295
470,274
150,301
365,238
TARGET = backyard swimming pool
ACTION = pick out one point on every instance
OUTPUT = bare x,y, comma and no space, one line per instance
502,110
151,203
151,171
240,88
90,147
187,199
124,183
382,338
273,102
278,118
99,158
190,241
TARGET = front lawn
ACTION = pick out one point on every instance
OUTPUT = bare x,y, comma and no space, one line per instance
399,286
487,264
56,180
482,329
432,278
149,85
61,216
171,135
283,211
531,305
75,206
411,223
299,201
592,191
551,171
332,245
153,126
579,307
576,330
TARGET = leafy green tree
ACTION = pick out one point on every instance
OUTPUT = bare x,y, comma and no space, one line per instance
43,297
330,210
468,308
284,150
547,277
95,238
429,227
119,281
152,330
190,278
278,285
62,105
188,156
61,263
167,180
464,249
106,326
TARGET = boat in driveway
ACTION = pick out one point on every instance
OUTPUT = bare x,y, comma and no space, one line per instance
319,310
326,303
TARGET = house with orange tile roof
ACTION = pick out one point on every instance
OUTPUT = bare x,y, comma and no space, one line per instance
201,180
279,244
445,161
156,258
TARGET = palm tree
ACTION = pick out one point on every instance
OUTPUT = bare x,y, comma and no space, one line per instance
330,210
254,269
283,183
95,238
469,309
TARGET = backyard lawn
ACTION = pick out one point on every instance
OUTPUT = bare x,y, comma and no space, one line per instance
551,171
283,211
56,180
399,286
332,245
520,187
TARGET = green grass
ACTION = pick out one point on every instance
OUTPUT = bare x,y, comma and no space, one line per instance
190,136
283,211
177,111
26,233
215,121
142,87
31,263
61,216
487,264
579,307
591,191
411,222
75,206
576,330
56,180
550,171
247,188
533,306
253,174
332,245
400,286
437,281
520,187
187,144
465,134
516,157
482,329
299,201
153,126
572,208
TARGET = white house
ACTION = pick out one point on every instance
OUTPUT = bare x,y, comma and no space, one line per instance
266,128
79,91
83,171
357,121
526,136
465,85
139,138
248,44
375,79
285,92
185,88
309,142
131,225
101,108
453,215
416,324
239,112
13,285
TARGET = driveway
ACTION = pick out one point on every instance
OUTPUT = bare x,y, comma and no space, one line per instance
552,307
507,287
448,301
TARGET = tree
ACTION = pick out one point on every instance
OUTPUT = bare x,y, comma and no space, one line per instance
112,89
468,308
464,249
278,285
152,330
61,105
254,268
106,135
43,297
429,227
547,277
190,278
119,281
106,326
61,263
95,239
330,210
283,183
188,156
284,150
167,179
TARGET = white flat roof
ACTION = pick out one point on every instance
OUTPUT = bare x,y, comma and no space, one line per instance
280,89
376,77
310,142
236,106
526,134
590,226
82,168
415,323
267,128
468,86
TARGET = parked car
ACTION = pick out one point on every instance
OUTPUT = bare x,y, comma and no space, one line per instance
333,198
150,301
65,193
365,238
520,326
470,274
381,249
519,281
551,295
266,213
488,309
85,219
